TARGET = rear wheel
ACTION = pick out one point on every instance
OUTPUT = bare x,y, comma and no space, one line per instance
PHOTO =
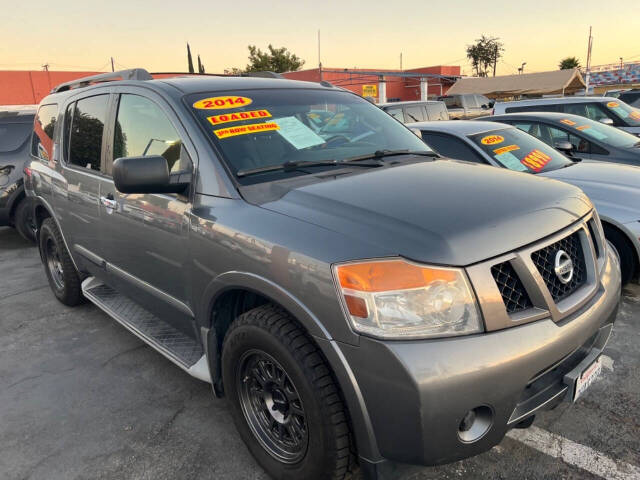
284,400
625,251
61,272
24,220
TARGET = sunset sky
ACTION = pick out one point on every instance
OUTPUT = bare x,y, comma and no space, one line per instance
80,35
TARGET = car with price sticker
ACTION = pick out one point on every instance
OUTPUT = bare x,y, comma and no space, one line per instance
607,110
577,137
360,301
613,188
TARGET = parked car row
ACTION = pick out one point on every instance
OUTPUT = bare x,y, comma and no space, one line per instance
360,299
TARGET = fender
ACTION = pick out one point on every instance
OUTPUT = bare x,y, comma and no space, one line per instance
632,238
8,200
353,397
41,202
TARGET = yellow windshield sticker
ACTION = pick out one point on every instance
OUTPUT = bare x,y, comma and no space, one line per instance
217,103
492,140
566,121
583,127
635,115
238,116
613,104
246,129
508,148
536,160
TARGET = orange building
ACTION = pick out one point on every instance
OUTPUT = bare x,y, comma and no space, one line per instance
386,85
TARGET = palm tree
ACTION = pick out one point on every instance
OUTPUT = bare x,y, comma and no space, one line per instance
569,63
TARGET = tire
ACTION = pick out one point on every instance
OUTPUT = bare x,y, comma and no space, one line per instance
63,277
274,375
23,220
626,254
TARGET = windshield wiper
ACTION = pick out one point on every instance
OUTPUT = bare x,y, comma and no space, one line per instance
379,154
292,166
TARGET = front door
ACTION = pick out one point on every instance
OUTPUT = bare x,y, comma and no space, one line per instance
146,235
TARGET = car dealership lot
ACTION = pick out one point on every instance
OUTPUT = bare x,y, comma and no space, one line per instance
80,397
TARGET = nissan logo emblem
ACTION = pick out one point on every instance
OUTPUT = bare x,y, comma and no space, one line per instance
563,266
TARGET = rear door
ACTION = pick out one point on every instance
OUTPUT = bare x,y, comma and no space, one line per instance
146,235
76,192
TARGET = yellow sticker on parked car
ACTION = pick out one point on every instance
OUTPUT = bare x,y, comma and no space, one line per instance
217,103
492,140
238,116
246,129
508,148
566,121
583,127
613,104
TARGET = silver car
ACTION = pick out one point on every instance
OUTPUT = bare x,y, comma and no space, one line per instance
613,188
602,109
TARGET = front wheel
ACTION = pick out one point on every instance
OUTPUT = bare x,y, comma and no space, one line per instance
284,400
61,272
625,251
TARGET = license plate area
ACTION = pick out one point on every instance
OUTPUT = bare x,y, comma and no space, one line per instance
582,377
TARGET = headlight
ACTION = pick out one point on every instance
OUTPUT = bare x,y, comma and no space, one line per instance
398,299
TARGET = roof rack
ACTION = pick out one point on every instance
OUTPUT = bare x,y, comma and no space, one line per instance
131,74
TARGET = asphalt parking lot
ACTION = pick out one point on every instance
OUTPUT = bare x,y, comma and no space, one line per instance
81,398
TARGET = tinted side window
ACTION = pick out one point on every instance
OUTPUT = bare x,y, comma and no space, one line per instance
43,127
396,113
415,114
437,111
579,144
451,147
87,127
532,108
142,129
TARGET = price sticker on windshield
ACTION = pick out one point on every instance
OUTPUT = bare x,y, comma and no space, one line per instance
566,121
613,104
536,160
217,103
246,129
492,140
238,116
508,148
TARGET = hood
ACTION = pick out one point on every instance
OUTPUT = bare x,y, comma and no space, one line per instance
441,212
613,188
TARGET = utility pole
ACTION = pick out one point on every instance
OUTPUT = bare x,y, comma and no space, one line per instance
45,67
621,64
495,60
400,61
588,71
112,69
319,58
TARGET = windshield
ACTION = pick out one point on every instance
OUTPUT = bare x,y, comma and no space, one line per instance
519,151
13,135
629,115
606,134
261,128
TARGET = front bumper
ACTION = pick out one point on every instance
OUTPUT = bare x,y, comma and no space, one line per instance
418,392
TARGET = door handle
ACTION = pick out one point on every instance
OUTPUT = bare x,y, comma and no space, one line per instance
109,202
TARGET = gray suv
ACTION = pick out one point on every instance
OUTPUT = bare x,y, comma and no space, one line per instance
359,300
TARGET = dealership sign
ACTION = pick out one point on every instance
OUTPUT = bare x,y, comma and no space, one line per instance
369,90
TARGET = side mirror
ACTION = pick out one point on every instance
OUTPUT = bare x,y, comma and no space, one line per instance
147,175
564,147
606,121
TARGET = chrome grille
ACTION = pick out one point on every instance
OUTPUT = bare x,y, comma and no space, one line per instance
514,295
544,259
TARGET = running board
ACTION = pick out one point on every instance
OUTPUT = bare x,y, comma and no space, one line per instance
181,349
